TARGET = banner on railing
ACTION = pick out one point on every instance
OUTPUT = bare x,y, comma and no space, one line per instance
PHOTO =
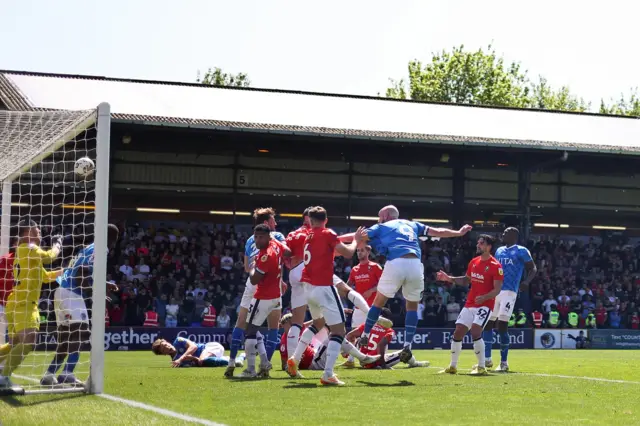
140,338
615,339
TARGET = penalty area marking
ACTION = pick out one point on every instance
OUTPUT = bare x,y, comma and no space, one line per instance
143,406
560,376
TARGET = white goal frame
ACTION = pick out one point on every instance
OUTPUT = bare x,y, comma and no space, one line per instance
101,118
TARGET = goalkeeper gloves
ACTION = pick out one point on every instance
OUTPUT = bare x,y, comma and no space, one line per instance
56,240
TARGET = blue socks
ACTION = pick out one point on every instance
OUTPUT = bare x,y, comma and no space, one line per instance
53,368
410,324
372,317
272,342
487,336
504,346
72,361
213,361
237,337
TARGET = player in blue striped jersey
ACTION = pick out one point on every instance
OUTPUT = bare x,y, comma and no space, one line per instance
515,259
74,287
398,240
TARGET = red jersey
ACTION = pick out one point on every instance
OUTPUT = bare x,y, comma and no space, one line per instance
6,277
365,277
482,273
295,240
269,263
307,356
378,333
318,257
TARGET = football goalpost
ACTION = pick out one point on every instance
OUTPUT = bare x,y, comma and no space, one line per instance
38,152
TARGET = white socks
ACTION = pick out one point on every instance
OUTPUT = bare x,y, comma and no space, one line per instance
292,339
333,350
251,351
348,348
358,301
478,348
261,349
305,339
456,348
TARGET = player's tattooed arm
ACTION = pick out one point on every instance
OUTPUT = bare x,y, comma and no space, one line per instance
463,281
531,270
448,233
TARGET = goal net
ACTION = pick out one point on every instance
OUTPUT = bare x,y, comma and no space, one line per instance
52,318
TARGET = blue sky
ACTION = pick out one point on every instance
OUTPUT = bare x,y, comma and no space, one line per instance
331,46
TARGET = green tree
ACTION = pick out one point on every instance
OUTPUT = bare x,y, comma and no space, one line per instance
543,96
216,77
480,77
465,77
624,106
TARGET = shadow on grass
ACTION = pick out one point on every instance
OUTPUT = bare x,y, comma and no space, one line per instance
26,402
361,383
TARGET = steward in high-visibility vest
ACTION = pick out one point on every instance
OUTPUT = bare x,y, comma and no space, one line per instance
590,321
573,319
521,319
554,317
537,319
150,319
512,321
209,316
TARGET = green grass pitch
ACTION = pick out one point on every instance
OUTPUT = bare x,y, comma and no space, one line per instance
548,387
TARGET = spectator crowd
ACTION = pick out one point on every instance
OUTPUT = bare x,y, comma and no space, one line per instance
186,272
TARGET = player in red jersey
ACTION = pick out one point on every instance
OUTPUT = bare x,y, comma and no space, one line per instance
314,356
485,276
379,339
322,297
267,300
364,277
296,240
6,285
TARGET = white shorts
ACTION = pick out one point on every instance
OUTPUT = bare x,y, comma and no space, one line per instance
259,310
337,280
358,318
505,302
247,296
298,288
405,273
324,301
3,326
469,316
70,307
320,358
213,349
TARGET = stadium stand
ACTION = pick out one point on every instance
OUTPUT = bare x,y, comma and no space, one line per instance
180,271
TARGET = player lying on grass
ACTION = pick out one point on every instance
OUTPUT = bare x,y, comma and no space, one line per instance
484,274
23,315
314,356
185,353
379,339
75,286
267,300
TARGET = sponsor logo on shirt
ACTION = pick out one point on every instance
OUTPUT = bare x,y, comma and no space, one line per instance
477,276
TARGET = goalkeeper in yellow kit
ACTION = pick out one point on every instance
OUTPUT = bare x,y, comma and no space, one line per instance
22,311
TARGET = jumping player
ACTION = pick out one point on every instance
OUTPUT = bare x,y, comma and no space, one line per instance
185,353
514,259
379,340
315,359
484,273
397,239
22,311
267,300
264,216
71,311
364,277
296,241
322,297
